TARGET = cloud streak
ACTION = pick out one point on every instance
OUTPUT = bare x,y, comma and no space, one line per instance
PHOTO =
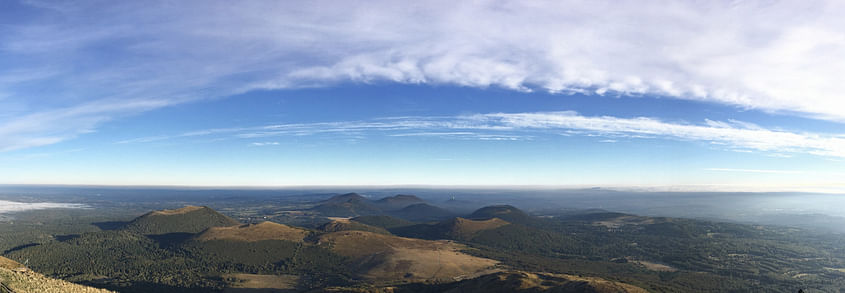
730,135
734,134
52,126
753,171
261,144
781,57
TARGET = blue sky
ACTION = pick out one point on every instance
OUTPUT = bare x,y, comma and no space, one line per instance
681,96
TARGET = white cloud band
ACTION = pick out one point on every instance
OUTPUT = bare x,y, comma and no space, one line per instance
732,135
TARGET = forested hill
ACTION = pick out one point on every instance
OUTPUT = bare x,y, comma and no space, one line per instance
189,219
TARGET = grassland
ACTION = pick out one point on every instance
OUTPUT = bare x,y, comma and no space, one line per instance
15,277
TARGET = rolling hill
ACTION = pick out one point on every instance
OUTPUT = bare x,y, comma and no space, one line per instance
254,232
346,197
189,219
487,229
349,225
404,206
422,212
389,259
374,256
382,221
454,229
397,202
505,212
346,205
465,229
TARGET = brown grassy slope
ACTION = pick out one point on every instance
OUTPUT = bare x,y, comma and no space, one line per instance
391,259
347,225
9,264
32,282
254,232
241,282
460,228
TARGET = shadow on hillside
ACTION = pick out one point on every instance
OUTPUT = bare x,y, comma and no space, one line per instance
110,225
19,247
63,238
170,239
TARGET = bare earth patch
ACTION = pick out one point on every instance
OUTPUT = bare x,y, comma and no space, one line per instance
656,266
253,281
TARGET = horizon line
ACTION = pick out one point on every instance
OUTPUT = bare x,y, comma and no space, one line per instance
714,188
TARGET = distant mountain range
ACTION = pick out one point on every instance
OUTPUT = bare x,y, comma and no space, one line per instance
408,207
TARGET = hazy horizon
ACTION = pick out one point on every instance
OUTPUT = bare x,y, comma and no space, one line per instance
794,209
629,188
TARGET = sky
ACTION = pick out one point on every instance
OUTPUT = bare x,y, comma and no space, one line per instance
679,95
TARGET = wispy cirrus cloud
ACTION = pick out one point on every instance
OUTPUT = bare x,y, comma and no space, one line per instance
763,171
730,135
466,135
265,143
781,57
52,126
